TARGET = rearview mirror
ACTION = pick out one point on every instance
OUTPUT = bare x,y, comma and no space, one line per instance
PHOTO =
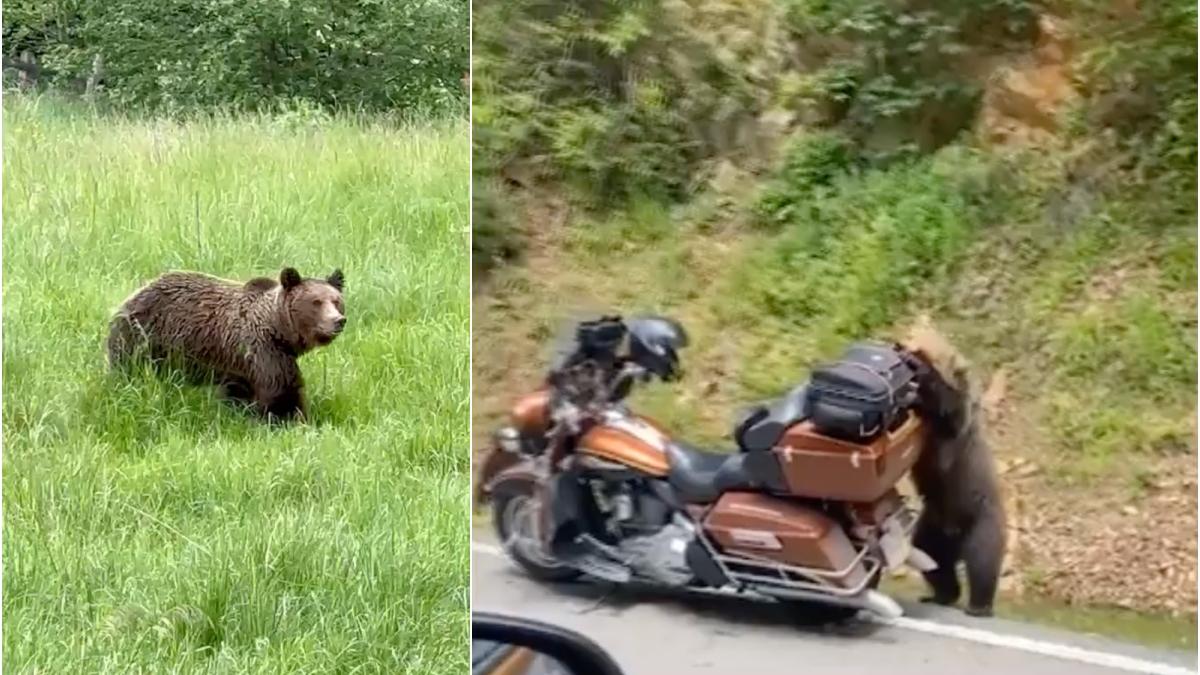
504,645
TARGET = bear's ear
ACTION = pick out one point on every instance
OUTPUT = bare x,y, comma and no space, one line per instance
337,279
289,278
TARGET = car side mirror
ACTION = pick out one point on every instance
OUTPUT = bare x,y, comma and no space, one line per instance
505,645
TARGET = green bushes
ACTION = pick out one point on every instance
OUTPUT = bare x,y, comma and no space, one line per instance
891,74
1140,71
863,245
577,90
180,55
494,236
632,97
812,163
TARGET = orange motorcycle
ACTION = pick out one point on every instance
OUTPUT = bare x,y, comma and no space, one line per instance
805,510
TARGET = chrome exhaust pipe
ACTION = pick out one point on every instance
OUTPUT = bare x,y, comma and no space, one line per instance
881,605
869,600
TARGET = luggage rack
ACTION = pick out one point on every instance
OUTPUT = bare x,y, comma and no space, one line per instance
793,577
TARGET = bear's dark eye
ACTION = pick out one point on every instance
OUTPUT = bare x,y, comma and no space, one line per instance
316,303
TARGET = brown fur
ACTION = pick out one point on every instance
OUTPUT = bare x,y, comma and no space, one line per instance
261,284
244,337
963,515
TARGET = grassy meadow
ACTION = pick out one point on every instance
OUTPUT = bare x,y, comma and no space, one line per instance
148,527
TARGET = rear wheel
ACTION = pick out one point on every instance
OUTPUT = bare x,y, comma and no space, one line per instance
514,513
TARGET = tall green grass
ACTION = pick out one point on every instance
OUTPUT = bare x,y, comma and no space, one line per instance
148,527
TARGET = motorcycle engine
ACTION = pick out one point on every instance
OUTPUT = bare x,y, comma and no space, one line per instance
644,528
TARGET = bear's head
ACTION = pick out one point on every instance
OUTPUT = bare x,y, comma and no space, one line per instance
948,385
313,307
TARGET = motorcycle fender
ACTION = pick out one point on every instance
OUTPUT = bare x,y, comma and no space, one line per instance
501,468
562,500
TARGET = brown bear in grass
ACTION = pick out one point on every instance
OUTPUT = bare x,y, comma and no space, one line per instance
244,337
963,515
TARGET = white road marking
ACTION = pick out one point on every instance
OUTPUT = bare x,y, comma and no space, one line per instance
1068,652
1042,647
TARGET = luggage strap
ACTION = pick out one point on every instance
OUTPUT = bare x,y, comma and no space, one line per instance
887,385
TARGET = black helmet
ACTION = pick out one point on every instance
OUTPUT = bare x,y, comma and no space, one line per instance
654,342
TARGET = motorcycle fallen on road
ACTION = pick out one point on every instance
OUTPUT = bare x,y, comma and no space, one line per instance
805,511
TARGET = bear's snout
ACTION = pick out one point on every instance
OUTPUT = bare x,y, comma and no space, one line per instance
339,325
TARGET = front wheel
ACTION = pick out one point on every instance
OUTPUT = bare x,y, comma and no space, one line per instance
514,514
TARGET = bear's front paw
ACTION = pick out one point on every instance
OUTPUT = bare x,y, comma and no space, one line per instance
984,611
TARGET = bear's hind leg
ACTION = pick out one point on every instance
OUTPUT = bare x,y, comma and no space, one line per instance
944,550
983,551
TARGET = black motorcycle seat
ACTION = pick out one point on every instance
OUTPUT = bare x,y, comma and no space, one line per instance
761,427
700,476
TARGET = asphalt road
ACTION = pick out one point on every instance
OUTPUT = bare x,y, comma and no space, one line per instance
653,633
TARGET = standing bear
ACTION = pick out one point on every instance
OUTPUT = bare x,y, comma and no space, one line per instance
963,512
245,338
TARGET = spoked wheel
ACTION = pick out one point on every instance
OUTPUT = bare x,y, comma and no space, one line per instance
515,517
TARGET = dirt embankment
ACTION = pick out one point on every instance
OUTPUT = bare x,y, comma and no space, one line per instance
1093,543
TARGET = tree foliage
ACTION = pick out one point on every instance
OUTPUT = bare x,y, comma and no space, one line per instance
1141,72
181,55
642,98
635,96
